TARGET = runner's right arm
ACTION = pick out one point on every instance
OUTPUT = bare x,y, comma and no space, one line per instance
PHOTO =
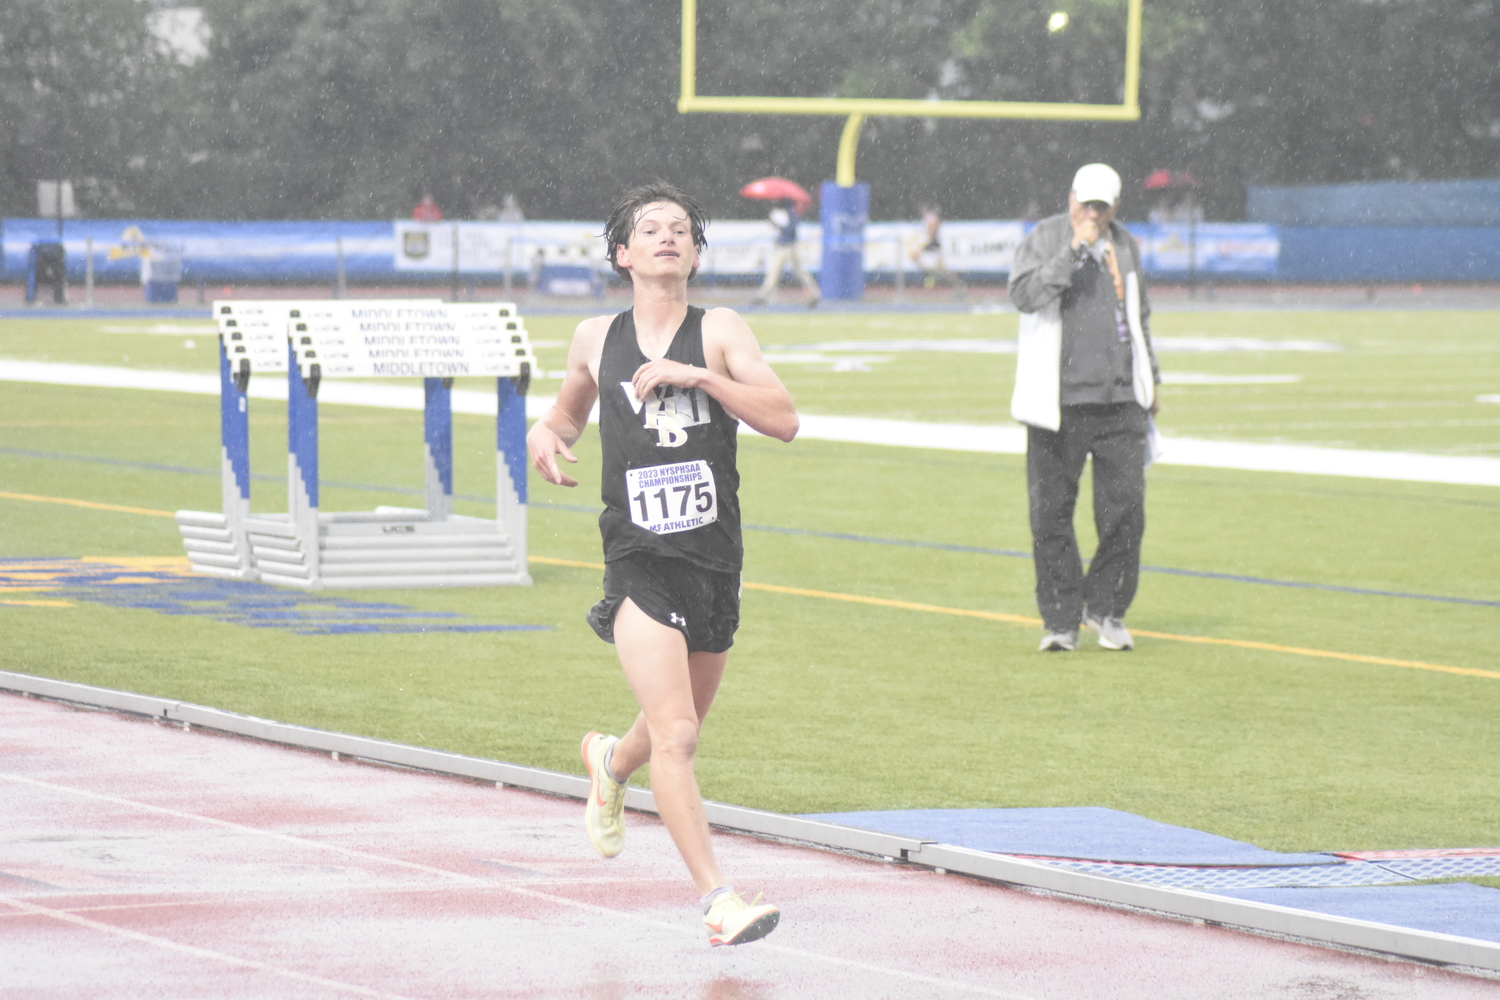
746,386
562,425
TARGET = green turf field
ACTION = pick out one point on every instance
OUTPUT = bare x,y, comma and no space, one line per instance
831,705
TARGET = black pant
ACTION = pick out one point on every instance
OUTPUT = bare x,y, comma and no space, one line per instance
1116,436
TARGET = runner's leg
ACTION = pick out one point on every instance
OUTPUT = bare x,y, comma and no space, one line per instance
659,670
634,749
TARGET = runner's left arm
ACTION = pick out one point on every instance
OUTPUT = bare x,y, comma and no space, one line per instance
750,391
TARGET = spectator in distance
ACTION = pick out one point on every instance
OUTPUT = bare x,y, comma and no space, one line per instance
1086,384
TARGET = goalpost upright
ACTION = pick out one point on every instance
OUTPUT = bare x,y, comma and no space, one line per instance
844,205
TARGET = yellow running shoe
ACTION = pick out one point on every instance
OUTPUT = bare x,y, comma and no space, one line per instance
731,920
604,816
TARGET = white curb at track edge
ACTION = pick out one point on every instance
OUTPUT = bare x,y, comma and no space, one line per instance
1365,935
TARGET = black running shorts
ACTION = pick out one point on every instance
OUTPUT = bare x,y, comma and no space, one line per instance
702,604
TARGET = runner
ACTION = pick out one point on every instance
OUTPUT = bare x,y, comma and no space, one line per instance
676,382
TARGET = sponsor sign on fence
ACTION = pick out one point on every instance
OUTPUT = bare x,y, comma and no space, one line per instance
240,253
1240,249
495,247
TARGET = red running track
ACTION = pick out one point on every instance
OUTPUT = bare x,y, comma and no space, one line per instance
141,860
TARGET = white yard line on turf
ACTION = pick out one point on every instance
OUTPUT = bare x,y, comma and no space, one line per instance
164,329
971,345
1307,459
989,439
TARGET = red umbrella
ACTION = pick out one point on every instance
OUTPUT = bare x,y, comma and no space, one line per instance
778,189
1159,180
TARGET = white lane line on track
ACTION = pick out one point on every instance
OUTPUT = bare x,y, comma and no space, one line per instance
184,898
984,439
460,877
196,952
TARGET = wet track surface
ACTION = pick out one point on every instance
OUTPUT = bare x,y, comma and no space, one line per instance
138,859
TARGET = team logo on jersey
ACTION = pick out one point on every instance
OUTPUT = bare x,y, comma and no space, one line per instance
669,411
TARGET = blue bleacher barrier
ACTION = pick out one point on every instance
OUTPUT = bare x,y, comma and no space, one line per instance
1452,204
1367,254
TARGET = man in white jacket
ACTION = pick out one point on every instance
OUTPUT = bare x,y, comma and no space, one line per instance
1086,384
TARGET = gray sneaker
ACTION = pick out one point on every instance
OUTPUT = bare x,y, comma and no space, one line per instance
1112,633
1059,642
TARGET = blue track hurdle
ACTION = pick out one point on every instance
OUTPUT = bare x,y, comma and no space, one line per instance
390,546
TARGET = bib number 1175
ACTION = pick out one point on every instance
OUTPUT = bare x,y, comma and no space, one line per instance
669,498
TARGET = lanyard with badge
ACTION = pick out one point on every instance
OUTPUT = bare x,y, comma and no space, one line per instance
1122,326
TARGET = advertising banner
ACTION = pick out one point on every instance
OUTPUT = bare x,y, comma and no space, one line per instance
494,247
1229,248
738,249
217,252
968,247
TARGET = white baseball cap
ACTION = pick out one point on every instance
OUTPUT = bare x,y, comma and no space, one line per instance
1097,182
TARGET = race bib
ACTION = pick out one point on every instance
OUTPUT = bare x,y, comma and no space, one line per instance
669,498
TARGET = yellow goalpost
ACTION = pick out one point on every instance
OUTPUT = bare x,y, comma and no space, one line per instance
858,108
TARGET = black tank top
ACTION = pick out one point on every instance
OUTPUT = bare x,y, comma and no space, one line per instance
670,483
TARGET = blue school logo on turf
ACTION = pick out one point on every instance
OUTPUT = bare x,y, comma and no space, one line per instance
164,586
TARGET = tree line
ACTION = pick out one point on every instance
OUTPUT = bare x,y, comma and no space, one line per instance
356,108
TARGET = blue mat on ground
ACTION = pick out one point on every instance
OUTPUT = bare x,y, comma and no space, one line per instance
1460,908
1090,833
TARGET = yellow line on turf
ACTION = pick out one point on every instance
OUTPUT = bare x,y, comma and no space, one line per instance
938,609
885,602
91,505
37,604
827,595
1325,653
146,564
547,561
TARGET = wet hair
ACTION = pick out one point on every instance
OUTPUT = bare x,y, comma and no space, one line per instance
622,220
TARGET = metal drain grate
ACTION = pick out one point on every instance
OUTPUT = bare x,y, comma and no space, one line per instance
1298,876
1443,867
